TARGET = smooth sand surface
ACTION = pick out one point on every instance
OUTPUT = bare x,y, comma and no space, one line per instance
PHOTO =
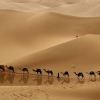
61,35
48,93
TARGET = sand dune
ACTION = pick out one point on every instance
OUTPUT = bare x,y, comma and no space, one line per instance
40,31
35,30
80,9
42,34
87,8
50,28
82,53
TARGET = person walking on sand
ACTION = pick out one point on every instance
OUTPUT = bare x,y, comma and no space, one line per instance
58,76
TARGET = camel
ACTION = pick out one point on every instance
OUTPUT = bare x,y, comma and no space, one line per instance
11,68
91,73
49,72
80,74
98,72
24,70
38,71
66,73
2,67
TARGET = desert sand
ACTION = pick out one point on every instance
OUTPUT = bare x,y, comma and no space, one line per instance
61,35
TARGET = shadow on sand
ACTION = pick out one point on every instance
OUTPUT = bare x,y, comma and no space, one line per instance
2,77
38,79
49,80
10,77
24,78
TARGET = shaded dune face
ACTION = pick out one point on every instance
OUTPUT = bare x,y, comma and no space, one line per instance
80,52
46,2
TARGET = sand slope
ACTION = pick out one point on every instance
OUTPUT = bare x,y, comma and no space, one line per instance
26,33
82,53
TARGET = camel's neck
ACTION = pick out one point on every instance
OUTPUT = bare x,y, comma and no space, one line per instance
76,73
62,73
87,72
34,70
45,71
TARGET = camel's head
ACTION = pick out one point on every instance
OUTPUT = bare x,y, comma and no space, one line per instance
33,69
98,72
75,72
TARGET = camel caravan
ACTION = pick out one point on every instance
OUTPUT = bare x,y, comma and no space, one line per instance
79,75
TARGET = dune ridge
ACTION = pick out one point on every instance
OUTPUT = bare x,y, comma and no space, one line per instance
86,8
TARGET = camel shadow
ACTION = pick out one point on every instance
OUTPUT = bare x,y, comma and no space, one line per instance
2,77
50,80
92,79
38,79
80,81
24,78
10,77
67,80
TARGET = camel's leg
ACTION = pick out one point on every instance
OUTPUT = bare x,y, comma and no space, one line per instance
90,77
78,78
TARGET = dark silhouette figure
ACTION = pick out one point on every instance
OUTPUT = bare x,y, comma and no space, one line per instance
49,72
66,73
80,74
2,67
38,71
92,73
58,75
24,70
11,68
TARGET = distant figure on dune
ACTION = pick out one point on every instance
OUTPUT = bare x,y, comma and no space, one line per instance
38,71
91,73
2,67
49,72
24,70
76,36
11,68
80,74
66,73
